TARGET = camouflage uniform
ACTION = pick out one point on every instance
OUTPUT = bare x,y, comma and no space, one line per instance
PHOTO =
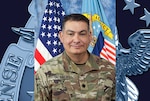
60,79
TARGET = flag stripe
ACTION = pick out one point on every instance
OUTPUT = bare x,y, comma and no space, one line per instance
39,57
112,46
113,62
107,55
103,54
36,65
43,50
109,52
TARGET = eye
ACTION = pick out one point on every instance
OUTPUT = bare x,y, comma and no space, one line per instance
71,34
83,33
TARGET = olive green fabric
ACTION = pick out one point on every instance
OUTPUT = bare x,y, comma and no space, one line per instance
60,79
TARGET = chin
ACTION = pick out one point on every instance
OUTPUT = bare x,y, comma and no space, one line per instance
78,52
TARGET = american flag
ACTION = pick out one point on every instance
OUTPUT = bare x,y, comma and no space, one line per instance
103,43
105,49
48,43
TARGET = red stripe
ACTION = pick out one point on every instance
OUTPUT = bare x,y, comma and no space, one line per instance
109,56
34,72
39,57
112,58
110,51
102,53
106,50
111,46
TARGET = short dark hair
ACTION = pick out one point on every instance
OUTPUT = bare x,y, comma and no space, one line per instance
75,17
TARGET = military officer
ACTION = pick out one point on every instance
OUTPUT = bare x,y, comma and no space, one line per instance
76,74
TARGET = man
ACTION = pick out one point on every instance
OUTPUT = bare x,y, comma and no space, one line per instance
76,74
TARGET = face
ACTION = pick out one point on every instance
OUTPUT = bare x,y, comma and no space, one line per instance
75,37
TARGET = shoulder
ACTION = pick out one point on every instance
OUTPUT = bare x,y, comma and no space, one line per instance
104,65
53,61
101,61
55,64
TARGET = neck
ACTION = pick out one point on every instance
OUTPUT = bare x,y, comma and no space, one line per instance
79,58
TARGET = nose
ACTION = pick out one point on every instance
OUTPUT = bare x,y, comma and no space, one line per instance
76,38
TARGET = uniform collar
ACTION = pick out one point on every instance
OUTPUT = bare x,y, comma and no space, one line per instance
70,66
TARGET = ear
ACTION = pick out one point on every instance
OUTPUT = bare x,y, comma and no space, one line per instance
61,36
91,35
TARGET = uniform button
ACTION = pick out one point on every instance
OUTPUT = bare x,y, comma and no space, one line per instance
83,85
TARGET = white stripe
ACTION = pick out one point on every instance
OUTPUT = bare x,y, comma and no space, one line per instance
108,54
36,65
102,51
111,55
102,56
113,62
109,43
43,50
110,60
109,48
112,50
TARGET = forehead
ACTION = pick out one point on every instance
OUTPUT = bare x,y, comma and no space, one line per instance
76,25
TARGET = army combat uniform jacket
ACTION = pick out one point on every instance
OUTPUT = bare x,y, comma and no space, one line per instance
60,79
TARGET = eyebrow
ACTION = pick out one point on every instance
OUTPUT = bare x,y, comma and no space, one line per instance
74,31
70,31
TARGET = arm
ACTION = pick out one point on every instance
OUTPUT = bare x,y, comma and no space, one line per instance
114,94
41,88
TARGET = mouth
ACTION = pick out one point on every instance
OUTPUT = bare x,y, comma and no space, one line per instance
76,46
